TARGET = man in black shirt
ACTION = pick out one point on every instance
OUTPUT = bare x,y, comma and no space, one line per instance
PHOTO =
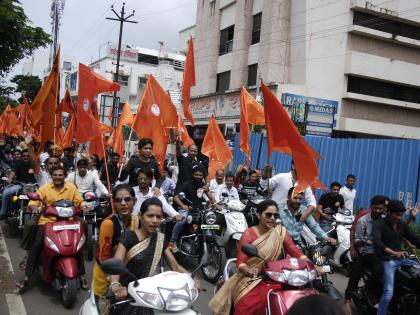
388,235
144,161
332,200
186,163
23,171
113,169
250,187
194,191
68,158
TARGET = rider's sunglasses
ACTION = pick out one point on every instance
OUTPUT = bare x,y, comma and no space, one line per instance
126,199
269,215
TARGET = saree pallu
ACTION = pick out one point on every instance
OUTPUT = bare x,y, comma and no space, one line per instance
269,247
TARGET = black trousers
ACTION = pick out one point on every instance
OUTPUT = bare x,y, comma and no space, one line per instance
36,250
370,261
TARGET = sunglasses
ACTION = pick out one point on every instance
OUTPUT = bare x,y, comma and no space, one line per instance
126,199
269,215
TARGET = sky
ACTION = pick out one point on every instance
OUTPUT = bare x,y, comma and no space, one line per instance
84,28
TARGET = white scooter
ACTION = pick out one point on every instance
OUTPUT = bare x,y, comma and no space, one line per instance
169,292
236,224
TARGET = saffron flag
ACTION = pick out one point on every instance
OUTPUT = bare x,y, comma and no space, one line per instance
183,133
251,113
154,113
188,81
117,138
90,84
70,132
283,136
215,148
66,104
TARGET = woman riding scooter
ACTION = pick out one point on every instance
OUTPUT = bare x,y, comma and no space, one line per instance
142,250
244,289
111,229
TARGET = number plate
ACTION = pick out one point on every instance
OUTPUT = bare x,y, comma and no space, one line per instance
210,226
23,197
66,227
326,268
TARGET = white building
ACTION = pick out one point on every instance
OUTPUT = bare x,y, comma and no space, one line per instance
359,59
136,64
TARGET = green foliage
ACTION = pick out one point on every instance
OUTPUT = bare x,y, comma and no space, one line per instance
27,84
4,97
17,38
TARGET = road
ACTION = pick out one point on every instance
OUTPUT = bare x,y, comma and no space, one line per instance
41,300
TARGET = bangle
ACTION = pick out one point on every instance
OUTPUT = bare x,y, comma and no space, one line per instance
115,282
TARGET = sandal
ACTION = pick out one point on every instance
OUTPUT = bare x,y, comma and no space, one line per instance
84,284
22,264
23,285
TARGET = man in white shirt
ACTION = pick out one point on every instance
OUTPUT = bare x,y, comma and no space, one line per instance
86,180
349,192
280,184
227,188
44,175
144,191
216,182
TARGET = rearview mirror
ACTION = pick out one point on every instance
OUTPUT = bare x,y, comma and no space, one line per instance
250,250
225,194
113,266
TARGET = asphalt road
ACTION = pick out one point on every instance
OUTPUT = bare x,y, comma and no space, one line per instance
42,300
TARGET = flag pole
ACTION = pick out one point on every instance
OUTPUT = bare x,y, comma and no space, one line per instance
106,171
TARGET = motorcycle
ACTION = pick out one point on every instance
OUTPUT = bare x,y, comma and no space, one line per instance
406,297
16,212
236,224
166,293
199,233
295,276
63,240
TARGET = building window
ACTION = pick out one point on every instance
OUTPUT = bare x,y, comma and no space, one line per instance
123,80
73,81
383,89
143,58
223,81
386,25
252,74
256,28
226,40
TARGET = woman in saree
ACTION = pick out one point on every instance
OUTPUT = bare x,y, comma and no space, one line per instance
111,230
247,293
142,250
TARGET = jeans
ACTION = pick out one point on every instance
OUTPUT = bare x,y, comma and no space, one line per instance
179,226
390,266
326,225
7,193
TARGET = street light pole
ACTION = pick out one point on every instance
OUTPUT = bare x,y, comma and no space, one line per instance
120,18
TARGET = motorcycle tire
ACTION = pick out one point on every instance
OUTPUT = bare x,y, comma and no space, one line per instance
214,270
69,291
89,241
362,304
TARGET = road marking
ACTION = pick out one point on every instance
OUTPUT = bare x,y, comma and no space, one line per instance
14,301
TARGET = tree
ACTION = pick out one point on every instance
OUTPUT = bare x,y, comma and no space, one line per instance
27,84
17,38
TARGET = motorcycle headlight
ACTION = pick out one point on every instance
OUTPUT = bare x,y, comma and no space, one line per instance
211,218
176,300
152,299
65,212
297,278
318,259
277,276
28,189
52,245
81,242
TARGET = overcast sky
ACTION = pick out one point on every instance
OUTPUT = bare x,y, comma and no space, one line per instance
84,27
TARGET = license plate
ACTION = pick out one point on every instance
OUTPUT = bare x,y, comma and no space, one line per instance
210,226
326,268
66,227
23,197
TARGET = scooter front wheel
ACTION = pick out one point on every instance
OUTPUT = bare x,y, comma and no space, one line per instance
69,287
213,271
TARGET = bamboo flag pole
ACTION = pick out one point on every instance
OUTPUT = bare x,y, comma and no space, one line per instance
126,153
107,172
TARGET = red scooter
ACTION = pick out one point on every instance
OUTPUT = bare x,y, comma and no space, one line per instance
294,275
63,240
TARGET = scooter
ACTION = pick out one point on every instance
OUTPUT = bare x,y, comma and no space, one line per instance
63,240
166,293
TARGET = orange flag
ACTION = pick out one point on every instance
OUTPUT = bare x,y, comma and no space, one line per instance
96,145
117,138
251,113
45,104
10,121
283,136
66,104
70,133
188,81
90,84
154,113
183,133
215,147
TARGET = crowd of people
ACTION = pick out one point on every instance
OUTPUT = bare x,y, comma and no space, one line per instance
137,186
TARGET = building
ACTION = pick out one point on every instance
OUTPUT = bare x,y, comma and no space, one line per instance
136,63
346,67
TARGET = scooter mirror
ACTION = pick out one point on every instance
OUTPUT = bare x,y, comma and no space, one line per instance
33,196
113,266
225,195
250,250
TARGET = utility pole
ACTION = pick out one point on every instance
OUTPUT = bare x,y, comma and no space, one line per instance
120,18
57,8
